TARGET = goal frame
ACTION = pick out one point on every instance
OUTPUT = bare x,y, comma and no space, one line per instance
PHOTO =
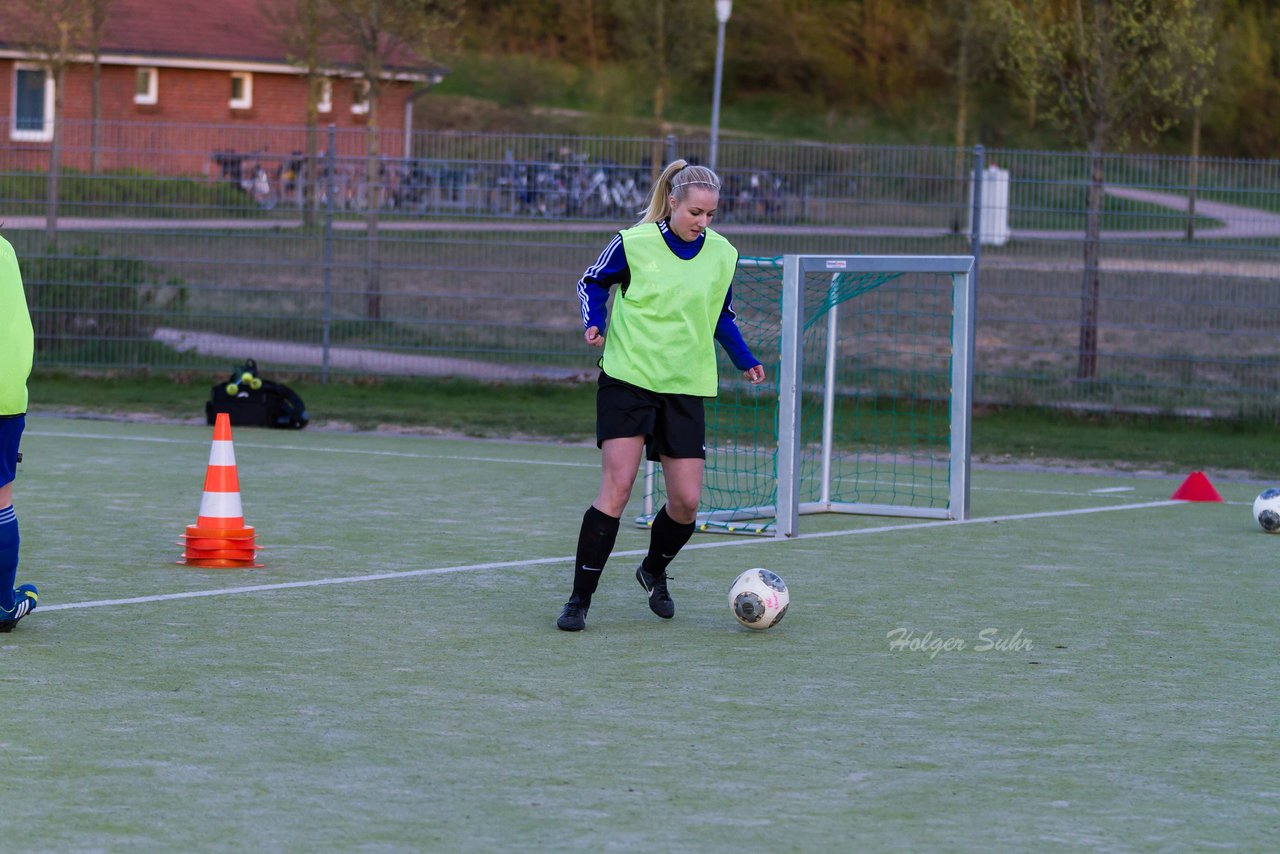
789,507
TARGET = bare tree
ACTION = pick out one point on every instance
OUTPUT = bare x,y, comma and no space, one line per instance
53,32
376,32
1105,70
98,12
1201,68
668,38
967,38
578,23
301,26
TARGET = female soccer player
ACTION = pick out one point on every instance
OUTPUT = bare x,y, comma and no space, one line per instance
673,275
17,344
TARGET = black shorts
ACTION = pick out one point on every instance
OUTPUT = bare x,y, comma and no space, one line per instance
673,425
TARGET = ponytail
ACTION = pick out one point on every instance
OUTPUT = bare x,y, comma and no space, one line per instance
672,182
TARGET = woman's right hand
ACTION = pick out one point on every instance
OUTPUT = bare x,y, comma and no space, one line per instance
593,336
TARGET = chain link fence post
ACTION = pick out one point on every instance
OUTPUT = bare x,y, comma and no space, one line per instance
328,257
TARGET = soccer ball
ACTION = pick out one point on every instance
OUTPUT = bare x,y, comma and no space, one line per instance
1266,509
758,598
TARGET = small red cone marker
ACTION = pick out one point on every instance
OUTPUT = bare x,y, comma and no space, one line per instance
1196,488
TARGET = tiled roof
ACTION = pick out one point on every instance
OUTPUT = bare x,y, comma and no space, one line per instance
233,30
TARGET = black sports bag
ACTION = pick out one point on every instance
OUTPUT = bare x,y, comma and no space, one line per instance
252,401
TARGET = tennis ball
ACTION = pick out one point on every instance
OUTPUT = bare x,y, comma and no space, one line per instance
246,377
255,383
232,389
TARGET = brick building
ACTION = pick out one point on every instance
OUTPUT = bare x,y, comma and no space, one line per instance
168,66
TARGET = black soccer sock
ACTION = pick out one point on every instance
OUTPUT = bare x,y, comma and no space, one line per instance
665,541
595,543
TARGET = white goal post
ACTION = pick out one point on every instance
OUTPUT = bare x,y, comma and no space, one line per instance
791,380
868,347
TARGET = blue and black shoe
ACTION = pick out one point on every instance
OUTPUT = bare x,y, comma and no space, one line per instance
574,616
655,586
24,602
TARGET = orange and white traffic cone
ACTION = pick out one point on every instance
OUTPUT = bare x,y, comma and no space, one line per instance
220,538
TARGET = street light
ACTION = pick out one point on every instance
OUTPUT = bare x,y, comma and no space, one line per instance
723,9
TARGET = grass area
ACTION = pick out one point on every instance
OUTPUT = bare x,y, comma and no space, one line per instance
128,192
565,412
1161,442
539,94
390,678
1066,209
545,410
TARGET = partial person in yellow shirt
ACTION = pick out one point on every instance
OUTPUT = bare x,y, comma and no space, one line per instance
17,348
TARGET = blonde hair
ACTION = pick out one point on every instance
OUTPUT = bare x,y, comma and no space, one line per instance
674,181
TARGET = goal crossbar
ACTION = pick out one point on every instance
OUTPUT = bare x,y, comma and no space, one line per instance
794,459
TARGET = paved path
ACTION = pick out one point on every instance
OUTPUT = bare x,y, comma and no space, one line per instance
353,360
1235,222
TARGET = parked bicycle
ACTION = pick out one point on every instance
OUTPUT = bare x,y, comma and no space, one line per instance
255,181
554,186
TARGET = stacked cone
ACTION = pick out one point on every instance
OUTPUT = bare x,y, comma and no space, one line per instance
219,538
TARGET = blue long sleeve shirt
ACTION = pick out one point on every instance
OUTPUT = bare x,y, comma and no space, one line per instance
611,269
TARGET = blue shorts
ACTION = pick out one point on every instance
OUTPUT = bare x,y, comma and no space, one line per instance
10,433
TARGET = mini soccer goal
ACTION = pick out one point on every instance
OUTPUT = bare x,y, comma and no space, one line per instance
867,404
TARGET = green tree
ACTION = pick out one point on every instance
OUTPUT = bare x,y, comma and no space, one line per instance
1241,117
896,59
495,27
1106,71
847,55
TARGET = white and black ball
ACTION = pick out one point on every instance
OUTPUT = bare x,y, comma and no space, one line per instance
1266,509
759,598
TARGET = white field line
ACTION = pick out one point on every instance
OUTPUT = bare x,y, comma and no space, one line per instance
461,458
517,564
358,451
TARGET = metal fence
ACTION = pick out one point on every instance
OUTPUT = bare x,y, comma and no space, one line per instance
182,247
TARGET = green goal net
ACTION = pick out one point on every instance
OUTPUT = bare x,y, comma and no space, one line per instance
866,407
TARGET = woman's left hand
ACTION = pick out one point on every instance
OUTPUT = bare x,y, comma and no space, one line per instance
756,374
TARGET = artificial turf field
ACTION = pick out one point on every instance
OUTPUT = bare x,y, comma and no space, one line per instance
392,679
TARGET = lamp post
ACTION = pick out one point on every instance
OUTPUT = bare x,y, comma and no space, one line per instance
723,9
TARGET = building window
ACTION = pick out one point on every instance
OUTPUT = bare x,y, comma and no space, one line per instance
32,104
325,102
241,90
360,97
146,88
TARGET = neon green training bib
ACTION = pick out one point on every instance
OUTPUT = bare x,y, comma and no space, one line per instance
662,334
17,341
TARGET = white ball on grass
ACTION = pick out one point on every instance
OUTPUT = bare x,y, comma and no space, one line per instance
759,598
1266,510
